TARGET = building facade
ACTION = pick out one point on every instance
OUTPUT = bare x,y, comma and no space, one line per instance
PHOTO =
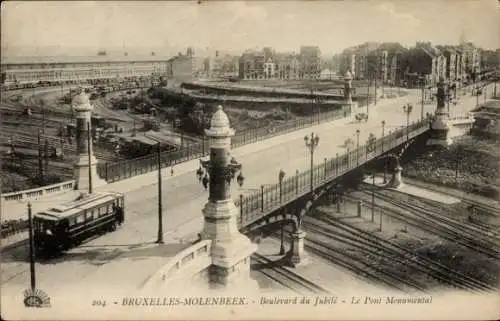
269,69
186,67
221,66
25,70
252,65
310,62
287,66
451,64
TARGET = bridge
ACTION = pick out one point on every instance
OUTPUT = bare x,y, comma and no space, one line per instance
288,201
256,209
263,206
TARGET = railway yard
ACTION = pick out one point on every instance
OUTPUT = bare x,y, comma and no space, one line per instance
425,241
424,246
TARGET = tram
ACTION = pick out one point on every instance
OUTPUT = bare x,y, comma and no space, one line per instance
63,227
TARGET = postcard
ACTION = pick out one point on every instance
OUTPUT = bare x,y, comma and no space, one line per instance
250,160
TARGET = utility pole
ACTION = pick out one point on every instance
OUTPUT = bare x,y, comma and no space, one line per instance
89,157
373,195
376,75
31,249
40,162
422,109
368,99
46,142
160,196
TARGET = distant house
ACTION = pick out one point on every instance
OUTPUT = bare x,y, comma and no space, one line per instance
327,74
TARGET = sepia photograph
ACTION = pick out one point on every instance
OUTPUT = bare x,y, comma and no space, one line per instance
250,160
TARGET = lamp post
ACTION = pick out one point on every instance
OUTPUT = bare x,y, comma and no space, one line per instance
382,137
31,248
160,196
89,159
477,95
40,161
373,195
408,109
203,172
422,106
357,147
281,175
448,98
311,143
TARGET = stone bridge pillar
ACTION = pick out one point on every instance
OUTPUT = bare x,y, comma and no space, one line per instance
298,255
396,180
350,105
83,111
231,250
439,126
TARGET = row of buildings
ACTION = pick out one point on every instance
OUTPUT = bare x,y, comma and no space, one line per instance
268,64
421,64
183,66
31,70
387,63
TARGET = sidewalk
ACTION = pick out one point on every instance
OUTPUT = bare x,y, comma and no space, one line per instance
416,191
16,209
335,279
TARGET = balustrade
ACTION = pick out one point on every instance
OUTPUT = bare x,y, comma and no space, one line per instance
120,170
257,205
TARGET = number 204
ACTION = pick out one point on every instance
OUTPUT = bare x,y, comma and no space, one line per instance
100,303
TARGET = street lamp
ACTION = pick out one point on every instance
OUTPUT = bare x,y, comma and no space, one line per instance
281,175
31,249
357,147
408,109
423,88
373,196
160,196
205,171
383,132
311,143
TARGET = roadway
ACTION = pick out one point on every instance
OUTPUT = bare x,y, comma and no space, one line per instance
99,260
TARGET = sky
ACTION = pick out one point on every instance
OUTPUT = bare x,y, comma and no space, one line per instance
83,27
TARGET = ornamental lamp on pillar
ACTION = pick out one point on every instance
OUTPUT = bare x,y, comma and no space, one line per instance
439,126
85,166
230,250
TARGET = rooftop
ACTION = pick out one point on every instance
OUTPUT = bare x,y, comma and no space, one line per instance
78,59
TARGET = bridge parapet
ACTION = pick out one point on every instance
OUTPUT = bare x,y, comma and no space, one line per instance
183,266
36,193
255,206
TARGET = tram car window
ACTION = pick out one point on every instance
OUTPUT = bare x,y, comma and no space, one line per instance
68,225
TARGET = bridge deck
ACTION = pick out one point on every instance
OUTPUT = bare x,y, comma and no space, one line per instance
259,204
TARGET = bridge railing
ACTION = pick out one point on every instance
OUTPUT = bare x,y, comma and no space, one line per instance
260,203
176,266
123,169
38,192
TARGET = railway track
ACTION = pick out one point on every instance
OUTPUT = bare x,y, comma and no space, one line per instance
487,231
360,267
21,140
475,231
430,222
288,278
487,209
371,245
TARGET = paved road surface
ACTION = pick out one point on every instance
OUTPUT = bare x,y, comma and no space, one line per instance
184,197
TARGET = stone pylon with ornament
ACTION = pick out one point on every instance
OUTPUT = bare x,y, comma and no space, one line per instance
439,126
351,106
84,162
231,250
